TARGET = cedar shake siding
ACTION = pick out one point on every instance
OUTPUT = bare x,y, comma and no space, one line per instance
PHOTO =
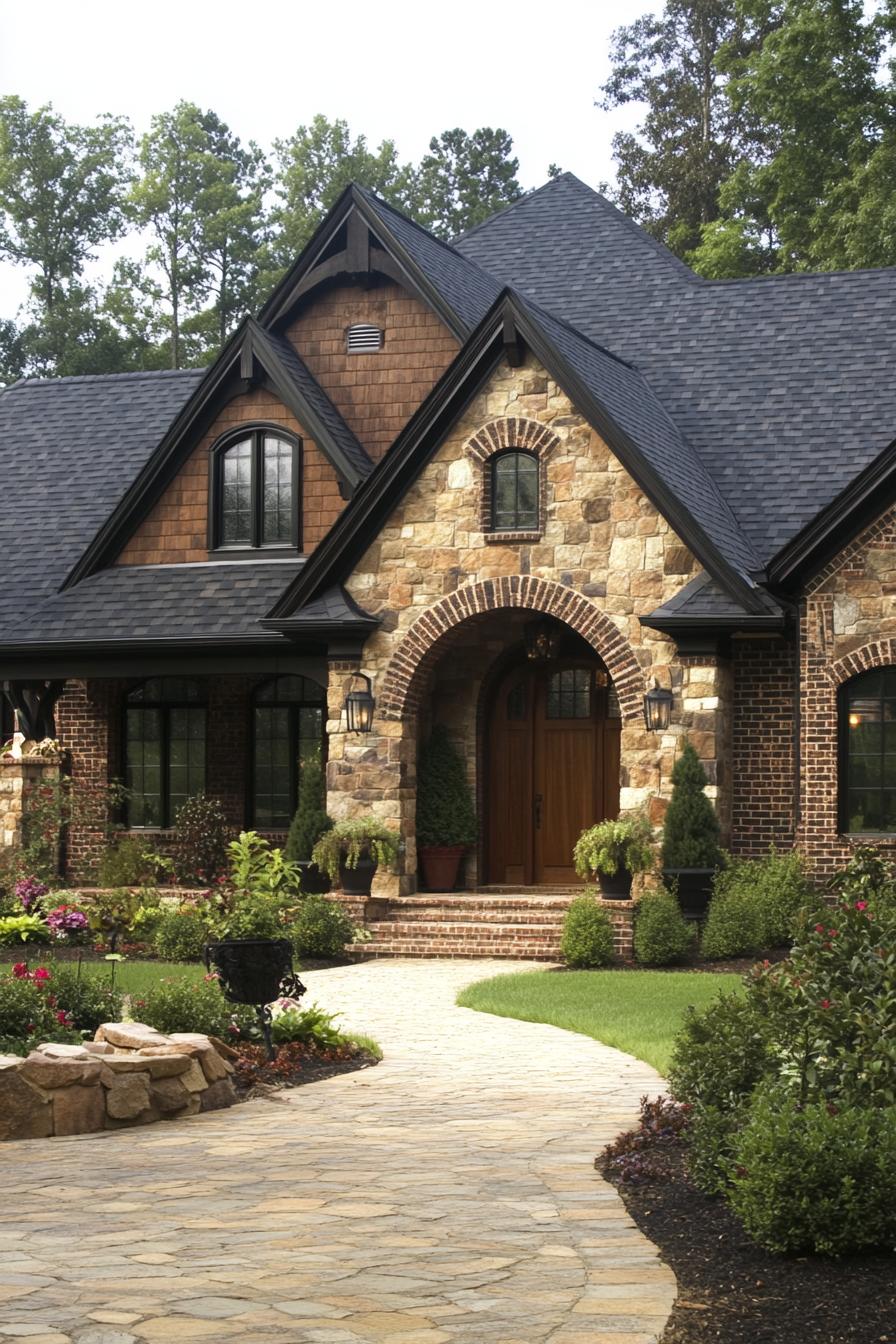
176,531
378,392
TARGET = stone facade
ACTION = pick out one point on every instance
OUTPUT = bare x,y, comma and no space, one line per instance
18,778
602,558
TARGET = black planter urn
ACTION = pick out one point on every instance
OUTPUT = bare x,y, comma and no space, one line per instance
357,881
693,888
616,886
256,971
313,882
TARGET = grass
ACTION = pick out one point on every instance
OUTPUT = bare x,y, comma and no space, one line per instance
132,977
636,1011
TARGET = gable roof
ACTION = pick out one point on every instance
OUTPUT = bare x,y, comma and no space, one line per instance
782,385
703,603
69,450
609,393
249,348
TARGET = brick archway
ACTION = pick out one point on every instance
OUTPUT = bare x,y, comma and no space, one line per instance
882,653
511,432
426,640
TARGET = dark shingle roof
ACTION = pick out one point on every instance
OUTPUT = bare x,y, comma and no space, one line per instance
69,448
216,600
782,385
703,600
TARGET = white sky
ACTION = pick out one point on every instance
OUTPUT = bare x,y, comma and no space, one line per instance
388,67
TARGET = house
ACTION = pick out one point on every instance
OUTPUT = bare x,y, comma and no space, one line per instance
422,463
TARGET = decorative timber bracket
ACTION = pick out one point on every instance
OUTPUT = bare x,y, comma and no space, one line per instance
35,703
361,258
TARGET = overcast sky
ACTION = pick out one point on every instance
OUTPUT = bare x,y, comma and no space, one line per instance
390,68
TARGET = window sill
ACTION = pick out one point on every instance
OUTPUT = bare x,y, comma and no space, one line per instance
225,553
509,538
859,836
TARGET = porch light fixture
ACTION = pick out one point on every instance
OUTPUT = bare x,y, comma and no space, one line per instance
657,709
542,640
359,707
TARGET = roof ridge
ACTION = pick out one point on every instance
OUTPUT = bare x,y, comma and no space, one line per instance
101,377
407,219
526,196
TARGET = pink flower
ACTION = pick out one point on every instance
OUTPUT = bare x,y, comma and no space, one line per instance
825,1003
861,905
41,974
819,928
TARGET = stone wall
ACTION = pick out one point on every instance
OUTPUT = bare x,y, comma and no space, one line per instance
130,1075
18,778
603,557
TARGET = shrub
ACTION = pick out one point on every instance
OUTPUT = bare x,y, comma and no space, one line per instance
112,913
256,869
29,1013
201,832
321,929
611,845
662,934
691,830
869,875
587,939
180,933
777,886
16,929
88,999
252,915
311,1025
815,1178
722,1052
128,863
734,926
193,1005
68,924
349,841
644,1153
310,821
445,811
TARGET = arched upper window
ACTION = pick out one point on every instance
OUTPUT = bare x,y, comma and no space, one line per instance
288,721
514,492
868,753
256,490
164,748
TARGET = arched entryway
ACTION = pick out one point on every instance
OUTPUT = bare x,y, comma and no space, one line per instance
551,764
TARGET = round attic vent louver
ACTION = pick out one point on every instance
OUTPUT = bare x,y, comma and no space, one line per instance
362,338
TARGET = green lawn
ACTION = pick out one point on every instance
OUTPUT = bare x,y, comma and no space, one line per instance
635,1011
135,977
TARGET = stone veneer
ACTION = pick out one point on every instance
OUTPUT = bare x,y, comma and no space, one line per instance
603,558
130,1075
18,777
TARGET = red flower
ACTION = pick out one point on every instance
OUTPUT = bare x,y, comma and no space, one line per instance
819,928
20,970
861,905
62,1017
41,974
825,1003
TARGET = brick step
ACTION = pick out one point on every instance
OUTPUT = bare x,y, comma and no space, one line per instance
471,951
441,938
478,914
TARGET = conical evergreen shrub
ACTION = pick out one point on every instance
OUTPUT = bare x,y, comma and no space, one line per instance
691,831
445,812
310,821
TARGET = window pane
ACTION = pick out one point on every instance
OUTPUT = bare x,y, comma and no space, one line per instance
186,757
278,494
236,495
527,493
515,493
272,774
870,735
142,773
569,694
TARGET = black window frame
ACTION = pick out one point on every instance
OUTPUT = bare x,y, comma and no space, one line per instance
845,694
7,719
164,706
517,526
294,708
256,434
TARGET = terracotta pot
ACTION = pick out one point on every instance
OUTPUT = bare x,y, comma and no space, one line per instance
616,886
357,881
439,865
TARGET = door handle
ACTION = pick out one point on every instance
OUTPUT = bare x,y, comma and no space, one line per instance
539,799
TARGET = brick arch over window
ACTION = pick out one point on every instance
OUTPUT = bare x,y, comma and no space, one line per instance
882,653
499,436
430,634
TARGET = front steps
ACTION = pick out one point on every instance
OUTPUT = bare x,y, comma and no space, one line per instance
501,923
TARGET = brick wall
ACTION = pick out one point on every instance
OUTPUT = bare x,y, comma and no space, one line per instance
176,529
377,393
762,764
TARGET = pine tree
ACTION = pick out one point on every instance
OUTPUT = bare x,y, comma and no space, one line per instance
445,813
691,832
310,821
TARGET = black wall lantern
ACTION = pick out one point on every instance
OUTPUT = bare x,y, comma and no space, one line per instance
657,709
542,641
359,706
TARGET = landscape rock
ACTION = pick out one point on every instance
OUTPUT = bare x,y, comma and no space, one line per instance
98,1047
48,1073
224,1050
159,1066
25,1113
78,1110
218,1095
194,1079
55,1050
130,1035
169,1095
128,1095
10,1061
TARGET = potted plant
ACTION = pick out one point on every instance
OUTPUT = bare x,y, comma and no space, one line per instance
351,852
613,851
691,852
308,825
446,819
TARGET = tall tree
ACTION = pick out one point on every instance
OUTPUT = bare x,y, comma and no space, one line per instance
464,179
670,169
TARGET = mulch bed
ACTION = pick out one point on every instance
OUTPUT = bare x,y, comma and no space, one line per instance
731,1292
296,1063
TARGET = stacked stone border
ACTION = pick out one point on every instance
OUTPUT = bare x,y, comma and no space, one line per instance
425,641
496,437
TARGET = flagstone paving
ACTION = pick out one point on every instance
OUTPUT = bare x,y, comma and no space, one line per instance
446,1195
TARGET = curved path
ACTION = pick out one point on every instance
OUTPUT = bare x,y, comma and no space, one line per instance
447,1195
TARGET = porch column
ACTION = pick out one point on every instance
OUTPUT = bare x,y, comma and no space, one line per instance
21,778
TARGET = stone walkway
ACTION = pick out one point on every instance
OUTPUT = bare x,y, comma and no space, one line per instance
446,1195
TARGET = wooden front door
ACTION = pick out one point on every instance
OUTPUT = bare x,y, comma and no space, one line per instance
553,770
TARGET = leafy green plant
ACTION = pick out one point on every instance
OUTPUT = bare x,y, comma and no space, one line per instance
252,915
129,863
587,938
691,830
813,1177
180,932
309,1024
111,913
53,806
734,926
193,1005
310,821
23,929
611,845
445,811
869,875
201,833
28,1011
662,934
321,928
89,999
257,869
350,841
777,886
